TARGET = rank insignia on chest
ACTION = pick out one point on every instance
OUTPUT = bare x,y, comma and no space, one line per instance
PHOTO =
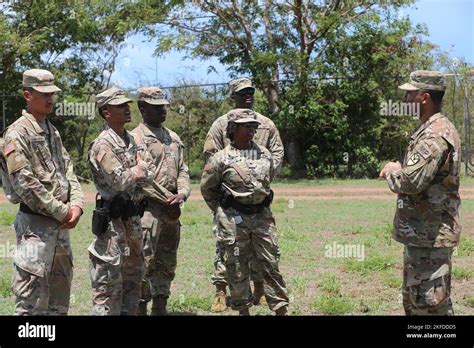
414,159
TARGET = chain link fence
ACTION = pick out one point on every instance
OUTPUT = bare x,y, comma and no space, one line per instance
193,109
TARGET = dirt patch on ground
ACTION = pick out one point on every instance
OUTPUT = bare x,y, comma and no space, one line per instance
467,219
339,192
330,192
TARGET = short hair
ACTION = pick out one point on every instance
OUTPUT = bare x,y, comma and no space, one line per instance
141,104
101,110
231,127
436,96
28,89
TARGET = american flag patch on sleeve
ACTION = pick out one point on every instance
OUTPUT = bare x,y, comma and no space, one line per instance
8,148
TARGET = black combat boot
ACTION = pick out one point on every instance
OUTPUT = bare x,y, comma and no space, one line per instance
244,312
141,310
282,311
159,305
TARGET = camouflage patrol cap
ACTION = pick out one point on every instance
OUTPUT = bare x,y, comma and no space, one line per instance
424,79
111,96
40,80
240,84
152,95
242,116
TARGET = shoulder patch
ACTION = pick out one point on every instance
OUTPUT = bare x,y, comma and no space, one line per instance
109,162
414,159
8,148
424,151
100,155
16,161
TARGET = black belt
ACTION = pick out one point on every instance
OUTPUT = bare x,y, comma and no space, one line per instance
119,207
247,208
27,210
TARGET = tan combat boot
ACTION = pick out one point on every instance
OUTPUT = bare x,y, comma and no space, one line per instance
159,305
258,294
141,310
219,305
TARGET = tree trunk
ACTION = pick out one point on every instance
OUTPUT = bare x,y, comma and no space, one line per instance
271,93
294,157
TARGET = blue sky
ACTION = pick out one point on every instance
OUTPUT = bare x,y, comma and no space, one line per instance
450,24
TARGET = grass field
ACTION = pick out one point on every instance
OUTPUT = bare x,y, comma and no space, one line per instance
318,285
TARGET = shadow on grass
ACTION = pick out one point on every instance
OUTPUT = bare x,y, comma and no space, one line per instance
181,314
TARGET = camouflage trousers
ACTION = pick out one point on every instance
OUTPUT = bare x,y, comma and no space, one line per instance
116,268
246,236
161,237
42,272
220,274
427,281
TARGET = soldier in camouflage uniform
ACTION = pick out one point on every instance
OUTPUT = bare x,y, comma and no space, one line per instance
427,215
160,224
236,186
267,136
38,173
120,169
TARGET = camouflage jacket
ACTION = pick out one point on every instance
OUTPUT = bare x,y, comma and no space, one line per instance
40,170
267,135
118,167
167,151
428,202
247,174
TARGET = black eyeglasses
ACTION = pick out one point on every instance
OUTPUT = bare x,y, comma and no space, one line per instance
246,91
252,125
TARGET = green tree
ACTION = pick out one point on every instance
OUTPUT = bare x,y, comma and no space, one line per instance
193,110
79,43
458,102
339,60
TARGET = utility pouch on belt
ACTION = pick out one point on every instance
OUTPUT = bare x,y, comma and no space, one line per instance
173,211
225,198
118,206
130,209
142,207
268,200
100,217
124,208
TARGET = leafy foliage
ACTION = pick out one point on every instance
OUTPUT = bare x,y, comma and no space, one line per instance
79,44
336,61
322,69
